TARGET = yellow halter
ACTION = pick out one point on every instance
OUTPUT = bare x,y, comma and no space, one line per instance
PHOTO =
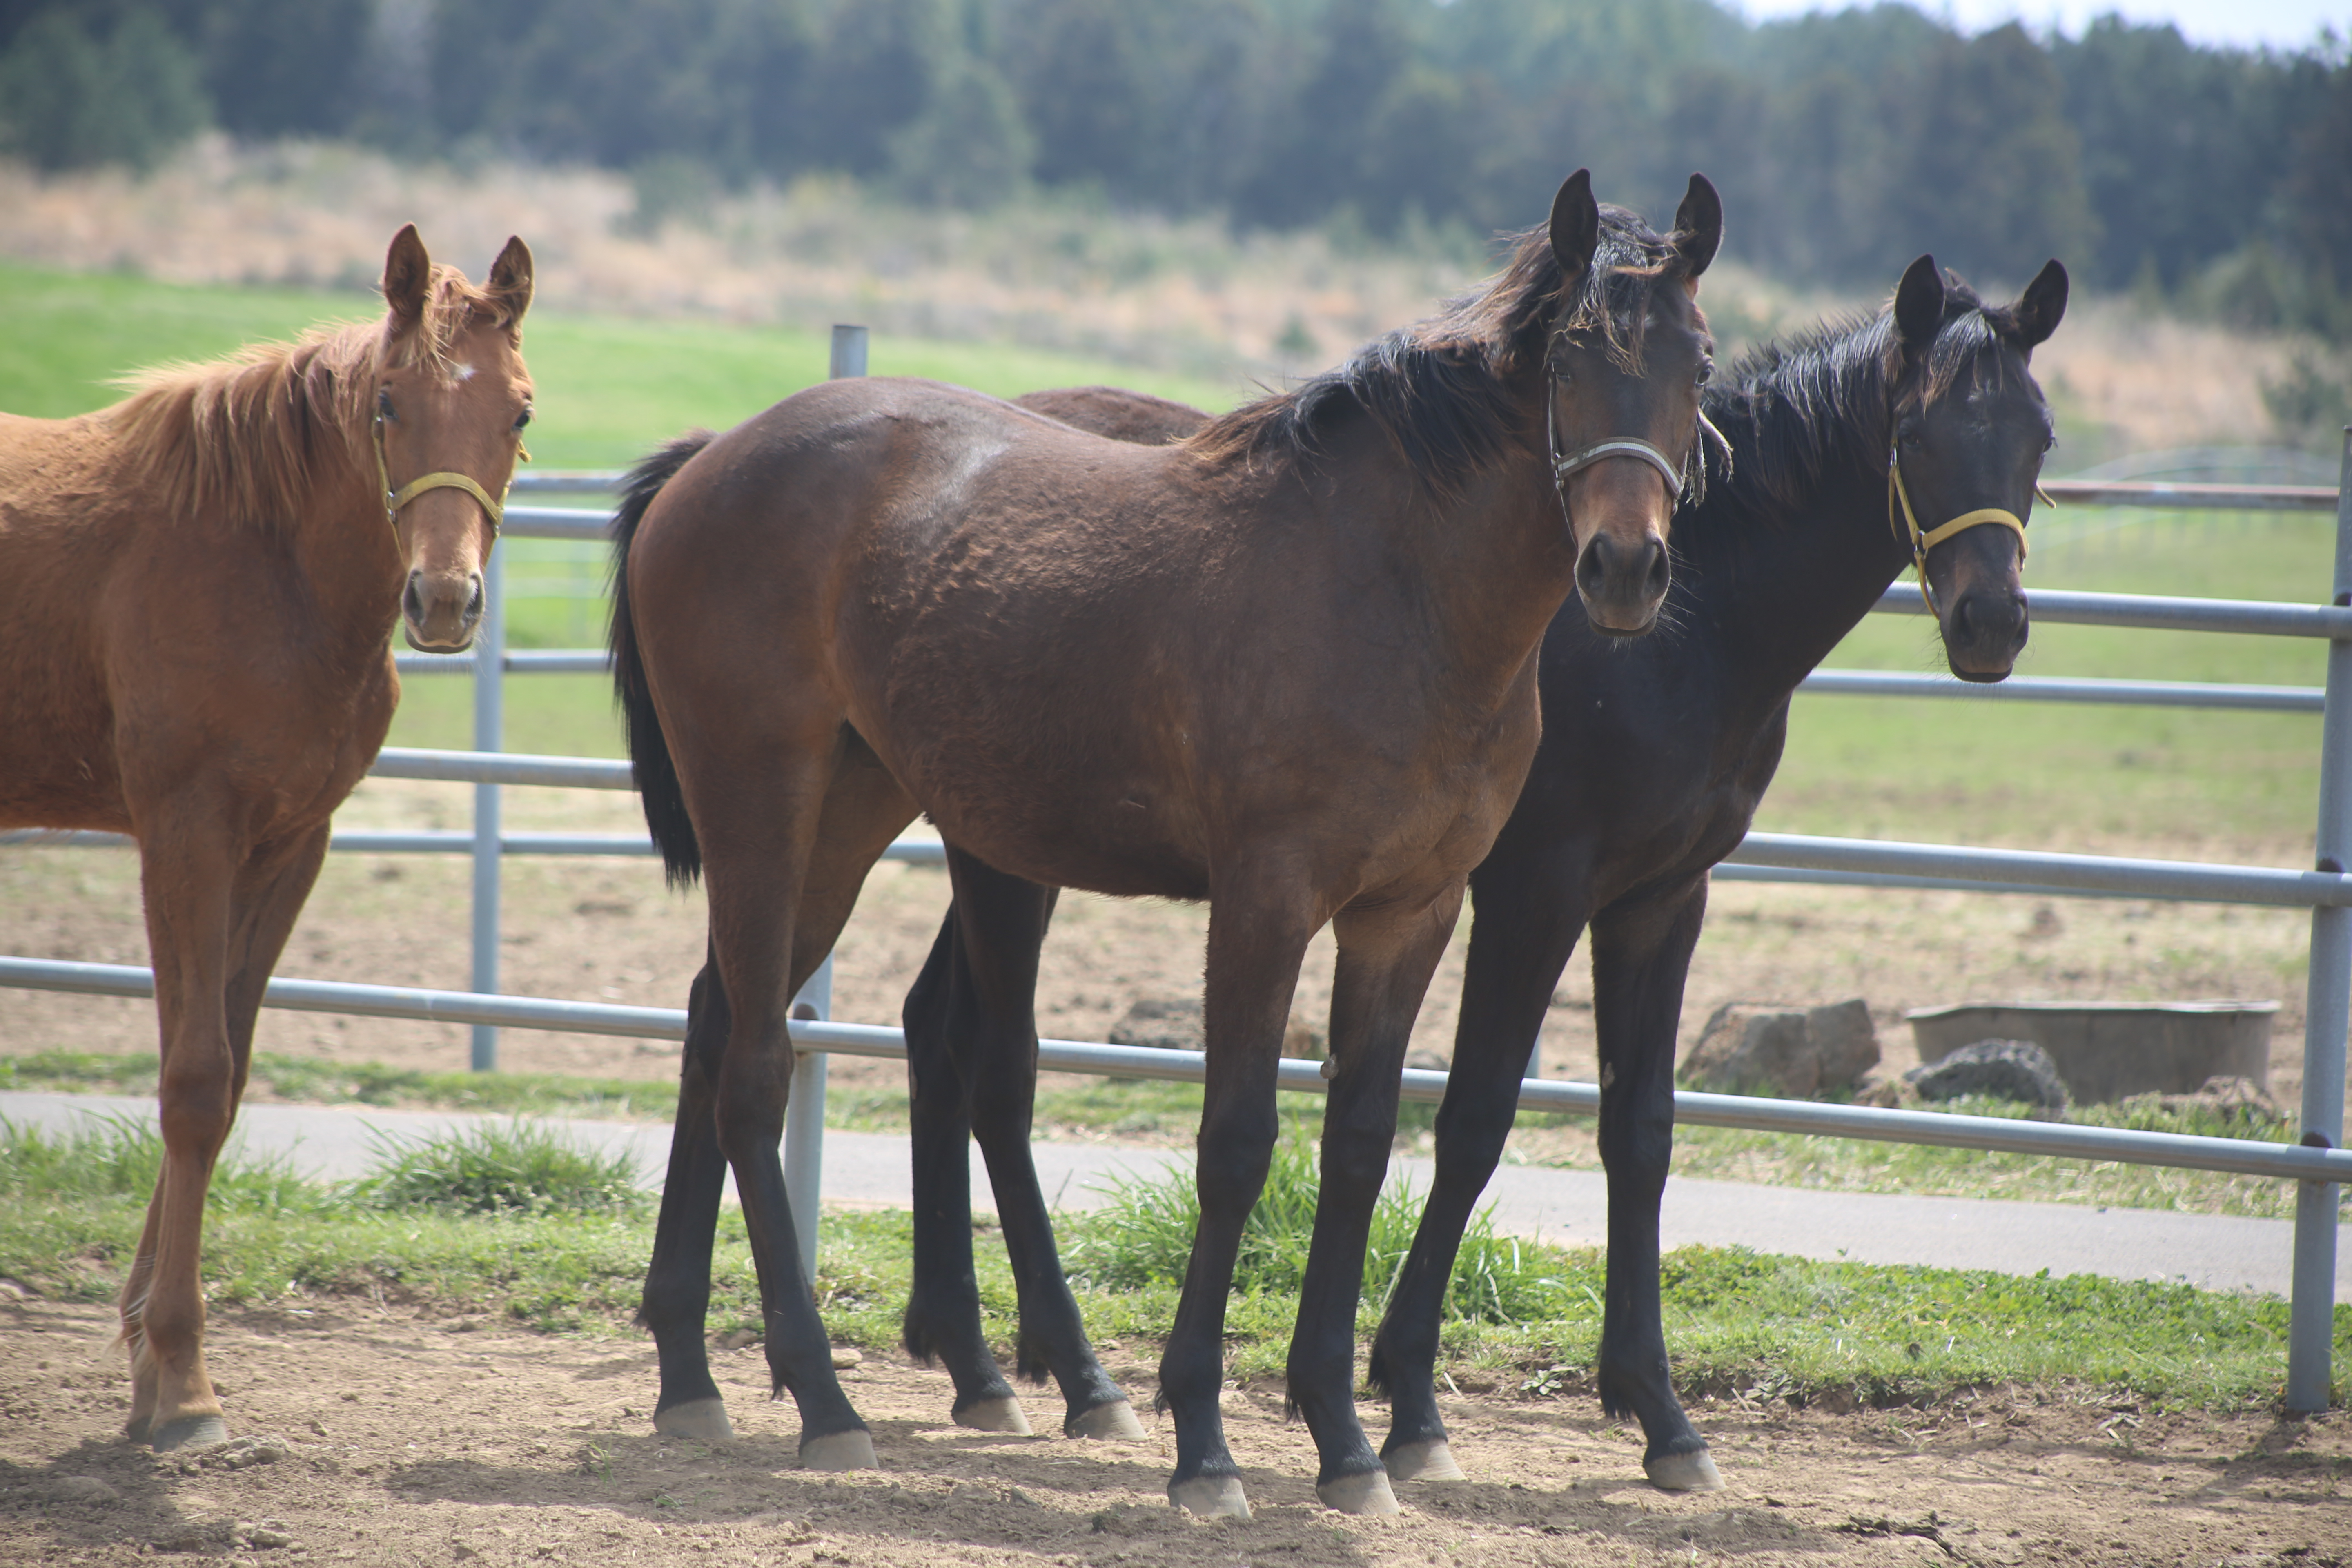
496,511
1925,539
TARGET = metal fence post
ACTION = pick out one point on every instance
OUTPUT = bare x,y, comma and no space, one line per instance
489,735
804,1113
805,1120
2328,1013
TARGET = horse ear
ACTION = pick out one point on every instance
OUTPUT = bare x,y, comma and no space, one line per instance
1919,305
1575,224
1698,226
407,274
2038,309
510,279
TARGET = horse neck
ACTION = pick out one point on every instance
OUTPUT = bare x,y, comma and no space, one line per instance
1495,563
349,554
1778,580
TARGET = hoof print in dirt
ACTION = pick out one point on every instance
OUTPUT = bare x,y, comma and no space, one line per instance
2005,1070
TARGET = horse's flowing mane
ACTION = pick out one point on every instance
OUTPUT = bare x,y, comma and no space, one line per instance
1823,399
252,435
1441,389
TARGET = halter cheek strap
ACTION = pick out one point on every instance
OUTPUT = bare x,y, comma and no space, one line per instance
494,511
1925,539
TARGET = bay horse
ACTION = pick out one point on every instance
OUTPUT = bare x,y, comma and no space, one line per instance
1286,666
198,587
1654,757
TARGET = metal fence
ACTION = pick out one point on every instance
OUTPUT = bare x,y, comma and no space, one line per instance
2318,1163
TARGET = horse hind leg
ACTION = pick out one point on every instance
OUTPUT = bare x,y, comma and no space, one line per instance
676,1299
784,873
1001,921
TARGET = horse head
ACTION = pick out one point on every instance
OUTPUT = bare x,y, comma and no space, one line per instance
1970,429
450,403
1628,355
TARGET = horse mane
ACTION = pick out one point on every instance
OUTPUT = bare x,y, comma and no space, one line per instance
1796,409
244,436
1441,390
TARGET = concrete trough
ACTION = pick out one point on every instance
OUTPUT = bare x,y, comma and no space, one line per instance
2107,1050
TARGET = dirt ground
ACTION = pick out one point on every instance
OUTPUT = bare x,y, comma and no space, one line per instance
368,1435
606,930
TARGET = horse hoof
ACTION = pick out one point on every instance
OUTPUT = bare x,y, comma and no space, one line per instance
1693,1472
1004,1414
1430,1461
703,1420
1367,1493
190,1432
135,1429
1211,1496
852,1450
1111,1423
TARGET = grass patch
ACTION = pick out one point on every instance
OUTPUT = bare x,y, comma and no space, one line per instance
1739,1321
520,1168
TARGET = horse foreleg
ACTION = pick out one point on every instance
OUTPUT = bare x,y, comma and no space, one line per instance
1385,960
1257,935
1641,956
1529,911
676,1301
1002,922
186,871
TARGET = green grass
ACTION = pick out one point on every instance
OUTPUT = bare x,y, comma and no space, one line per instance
608,387
520,1168
1739,1321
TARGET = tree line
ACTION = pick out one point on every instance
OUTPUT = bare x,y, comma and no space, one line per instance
1846,143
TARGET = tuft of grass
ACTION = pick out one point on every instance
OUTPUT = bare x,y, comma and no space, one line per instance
1144,1238
522,1168
117,1158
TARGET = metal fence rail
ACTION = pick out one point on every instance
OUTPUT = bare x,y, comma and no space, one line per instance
1754,1114
2318,1166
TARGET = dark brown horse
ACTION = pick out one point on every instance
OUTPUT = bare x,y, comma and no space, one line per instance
198,588
1654,758
1286,666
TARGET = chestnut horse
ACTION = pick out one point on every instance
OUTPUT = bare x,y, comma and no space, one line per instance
198,587
1654,760
1286,666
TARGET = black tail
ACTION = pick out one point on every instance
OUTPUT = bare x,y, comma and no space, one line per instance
650,757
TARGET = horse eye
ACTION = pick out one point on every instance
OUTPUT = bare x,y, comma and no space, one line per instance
1706,372
383,404
522,419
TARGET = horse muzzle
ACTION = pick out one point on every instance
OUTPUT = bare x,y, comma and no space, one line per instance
441,611
1984,631
1623,582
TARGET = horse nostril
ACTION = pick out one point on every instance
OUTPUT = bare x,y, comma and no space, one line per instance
1657,576
412,601
474,603
1592,566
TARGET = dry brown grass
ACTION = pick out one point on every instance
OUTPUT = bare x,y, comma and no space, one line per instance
1141,289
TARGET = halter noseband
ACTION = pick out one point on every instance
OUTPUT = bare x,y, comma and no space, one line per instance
1681,478
1925,539
496,511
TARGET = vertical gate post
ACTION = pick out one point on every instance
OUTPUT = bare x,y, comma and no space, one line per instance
804,1120
2328,1012
489,735
804,1112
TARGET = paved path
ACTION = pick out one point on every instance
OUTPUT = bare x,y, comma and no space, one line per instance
871,1169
